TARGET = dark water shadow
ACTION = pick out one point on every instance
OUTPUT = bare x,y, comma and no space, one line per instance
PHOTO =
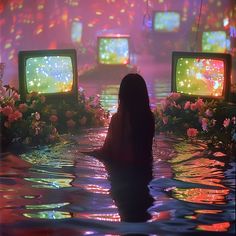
130,191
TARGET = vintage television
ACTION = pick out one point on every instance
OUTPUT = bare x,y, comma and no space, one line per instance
214,41
198,74
166,21
52,73
76,31
113,50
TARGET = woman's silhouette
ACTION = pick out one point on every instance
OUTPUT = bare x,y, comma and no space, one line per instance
127,150
131,130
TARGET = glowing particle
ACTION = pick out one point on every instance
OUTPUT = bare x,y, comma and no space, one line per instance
7,45
98,13
64,16
198,75
40,7
226,22
216,85
111,17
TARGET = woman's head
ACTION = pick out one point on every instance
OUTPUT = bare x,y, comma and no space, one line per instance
133,94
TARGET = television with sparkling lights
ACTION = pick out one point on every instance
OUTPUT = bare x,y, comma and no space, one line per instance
52,73
199,74
166,21
214,41
113,50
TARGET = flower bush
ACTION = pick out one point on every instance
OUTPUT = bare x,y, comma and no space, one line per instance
35,122
213,121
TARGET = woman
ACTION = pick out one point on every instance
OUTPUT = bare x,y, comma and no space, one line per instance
131,130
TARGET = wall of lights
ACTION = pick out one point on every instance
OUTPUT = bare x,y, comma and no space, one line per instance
51,24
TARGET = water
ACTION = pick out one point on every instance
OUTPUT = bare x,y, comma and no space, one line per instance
64,192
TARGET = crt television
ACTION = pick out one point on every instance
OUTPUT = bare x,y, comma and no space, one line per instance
52,73
166,21
198,74
113,50
214,41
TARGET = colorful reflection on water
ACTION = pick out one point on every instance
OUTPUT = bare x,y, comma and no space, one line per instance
190,191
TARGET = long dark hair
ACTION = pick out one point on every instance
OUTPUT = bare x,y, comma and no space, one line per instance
134,104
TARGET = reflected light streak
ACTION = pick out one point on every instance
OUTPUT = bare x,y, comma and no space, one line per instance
46,206
103,217
49,215
96,189
217,227
50,182
203,196
201,170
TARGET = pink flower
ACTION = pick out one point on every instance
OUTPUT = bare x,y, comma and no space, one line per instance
187,105
199,104
53,118
37,116
70,124
209,112
193,106
7,110
165,120
175,96
192,132
83,120
23,107
16,96
164,104
204,124
14,116
226,122
69,114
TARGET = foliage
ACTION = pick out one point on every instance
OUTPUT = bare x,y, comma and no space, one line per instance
213,121
34,122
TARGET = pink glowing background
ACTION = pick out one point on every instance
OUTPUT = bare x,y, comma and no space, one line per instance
58,24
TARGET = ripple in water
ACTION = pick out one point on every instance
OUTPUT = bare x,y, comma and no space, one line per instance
188,190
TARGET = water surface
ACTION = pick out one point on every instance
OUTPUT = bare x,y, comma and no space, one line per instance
188,191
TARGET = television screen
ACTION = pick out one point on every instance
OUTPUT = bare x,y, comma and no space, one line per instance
214,41
76,31
113,50
201,74
48,72
166,21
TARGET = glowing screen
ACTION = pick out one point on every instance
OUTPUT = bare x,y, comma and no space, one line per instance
200,76
49,74
76,32
166,21
113,51
214,41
